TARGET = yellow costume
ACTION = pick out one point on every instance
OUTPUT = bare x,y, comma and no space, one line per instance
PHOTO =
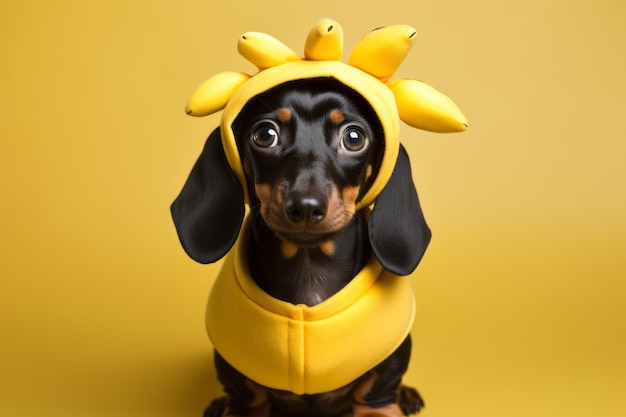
320,348
307,350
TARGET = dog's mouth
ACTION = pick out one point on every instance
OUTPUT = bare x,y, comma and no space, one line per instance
306,234
304,238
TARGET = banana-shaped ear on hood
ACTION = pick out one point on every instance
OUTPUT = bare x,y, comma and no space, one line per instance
368,72
265,51
381,51
213,94
324,42
423,107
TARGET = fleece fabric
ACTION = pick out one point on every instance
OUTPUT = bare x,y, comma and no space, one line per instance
302,349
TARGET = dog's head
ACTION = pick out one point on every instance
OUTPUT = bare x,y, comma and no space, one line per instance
311,141
310,151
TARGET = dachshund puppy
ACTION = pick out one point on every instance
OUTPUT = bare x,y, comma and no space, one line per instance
309,149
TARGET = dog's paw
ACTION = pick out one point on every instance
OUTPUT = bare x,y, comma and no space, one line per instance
217,408
409,400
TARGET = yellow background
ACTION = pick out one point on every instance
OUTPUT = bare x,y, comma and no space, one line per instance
522,294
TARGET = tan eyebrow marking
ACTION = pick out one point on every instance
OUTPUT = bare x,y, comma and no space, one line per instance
337,117
284,115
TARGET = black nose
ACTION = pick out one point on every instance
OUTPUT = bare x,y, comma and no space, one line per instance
305,208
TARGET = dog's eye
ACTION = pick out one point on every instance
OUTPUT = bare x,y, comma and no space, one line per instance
353,139
265,135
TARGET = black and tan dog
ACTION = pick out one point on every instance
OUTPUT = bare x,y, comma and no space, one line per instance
309,150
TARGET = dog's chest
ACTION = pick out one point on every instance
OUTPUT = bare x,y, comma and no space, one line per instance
306,276
307,279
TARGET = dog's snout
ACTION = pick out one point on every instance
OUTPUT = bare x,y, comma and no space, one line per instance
301,208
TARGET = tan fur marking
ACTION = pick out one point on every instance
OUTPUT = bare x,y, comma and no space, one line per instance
284,115
338,214
391,410
264,192
350,194
289,250
328,248
337,117
363,389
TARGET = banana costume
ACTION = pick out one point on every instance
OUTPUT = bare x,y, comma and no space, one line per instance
300,348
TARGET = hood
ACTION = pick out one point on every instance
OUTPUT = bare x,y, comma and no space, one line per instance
368,71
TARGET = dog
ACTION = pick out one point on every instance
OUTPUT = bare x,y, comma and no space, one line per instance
309,150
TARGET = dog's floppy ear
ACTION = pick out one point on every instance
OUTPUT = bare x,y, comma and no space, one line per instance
209,210
398,231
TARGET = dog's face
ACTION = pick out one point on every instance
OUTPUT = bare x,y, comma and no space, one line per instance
310,150
309,153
